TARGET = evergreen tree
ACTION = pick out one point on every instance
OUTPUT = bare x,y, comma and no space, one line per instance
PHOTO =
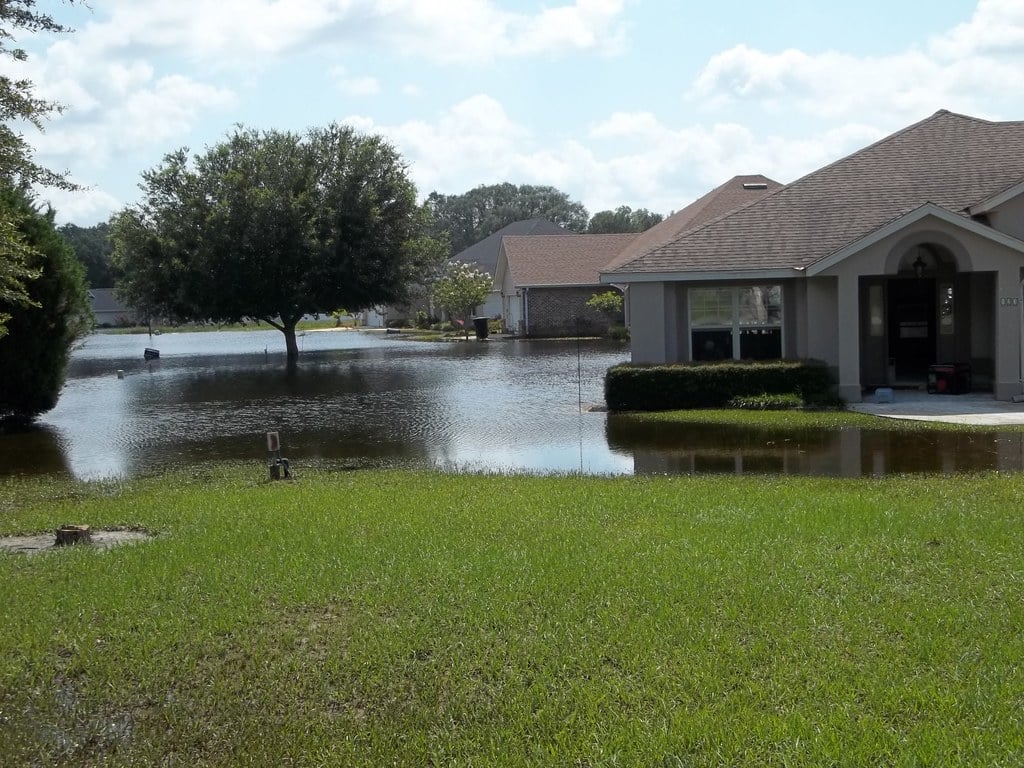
34,353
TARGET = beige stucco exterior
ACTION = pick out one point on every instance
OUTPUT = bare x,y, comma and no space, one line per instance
827,311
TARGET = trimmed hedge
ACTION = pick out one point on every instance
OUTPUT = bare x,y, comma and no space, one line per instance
629,387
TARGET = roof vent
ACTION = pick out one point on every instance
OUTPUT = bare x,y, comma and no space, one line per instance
755,185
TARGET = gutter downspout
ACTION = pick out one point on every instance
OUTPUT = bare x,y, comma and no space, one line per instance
526,311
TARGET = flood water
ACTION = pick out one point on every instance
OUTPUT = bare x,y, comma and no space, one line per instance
359,399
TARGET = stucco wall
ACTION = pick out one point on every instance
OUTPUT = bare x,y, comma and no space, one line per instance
563,312
647,322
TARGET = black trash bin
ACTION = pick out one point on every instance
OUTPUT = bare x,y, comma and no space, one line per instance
480,326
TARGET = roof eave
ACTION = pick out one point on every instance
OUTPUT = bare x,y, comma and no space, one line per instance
996,200
684,276
559,285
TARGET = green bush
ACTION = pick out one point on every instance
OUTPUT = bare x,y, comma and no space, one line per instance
618,333
34,353
629,387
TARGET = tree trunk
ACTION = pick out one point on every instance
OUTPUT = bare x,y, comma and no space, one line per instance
291,345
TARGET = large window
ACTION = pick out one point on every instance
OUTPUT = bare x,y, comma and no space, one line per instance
741,323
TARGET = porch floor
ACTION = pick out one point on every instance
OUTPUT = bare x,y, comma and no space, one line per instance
973,408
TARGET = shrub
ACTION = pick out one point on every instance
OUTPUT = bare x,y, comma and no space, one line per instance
34,352
618,333
682,386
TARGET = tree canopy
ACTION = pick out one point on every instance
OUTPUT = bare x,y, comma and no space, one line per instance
41,332
274,225
19,108
470,217
622,220
94,249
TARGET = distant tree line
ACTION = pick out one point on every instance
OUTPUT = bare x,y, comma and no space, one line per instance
455,221
468,218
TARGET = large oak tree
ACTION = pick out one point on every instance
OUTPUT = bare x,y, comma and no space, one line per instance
274,225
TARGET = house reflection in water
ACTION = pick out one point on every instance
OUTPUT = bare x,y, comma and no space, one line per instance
843,452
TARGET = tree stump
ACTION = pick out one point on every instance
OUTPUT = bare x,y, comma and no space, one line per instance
73,534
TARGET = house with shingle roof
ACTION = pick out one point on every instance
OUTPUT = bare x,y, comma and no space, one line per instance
484,254
546,280
903,256
109,310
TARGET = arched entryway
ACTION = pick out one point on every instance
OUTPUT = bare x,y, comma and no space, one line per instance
928,308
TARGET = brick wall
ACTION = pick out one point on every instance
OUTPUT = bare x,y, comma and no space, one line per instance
563,312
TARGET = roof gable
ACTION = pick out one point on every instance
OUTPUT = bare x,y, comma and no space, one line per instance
950,160
925,211
735,193
484,254
551,260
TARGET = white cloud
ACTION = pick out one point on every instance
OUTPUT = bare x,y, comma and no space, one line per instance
136,113
996,29
475,139
233,33
958,70
354,85
631,159
668,167
86,205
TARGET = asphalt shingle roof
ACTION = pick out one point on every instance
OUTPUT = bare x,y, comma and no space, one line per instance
951,160
561,259
484,254
735,193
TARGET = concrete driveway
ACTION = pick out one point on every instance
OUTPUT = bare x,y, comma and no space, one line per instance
975,408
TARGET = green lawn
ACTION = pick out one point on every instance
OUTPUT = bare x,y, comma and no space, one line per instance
393,618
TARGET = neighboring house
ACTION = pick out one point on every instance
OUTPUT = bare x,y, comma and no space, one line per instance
546,280
905,254
484,255
109,310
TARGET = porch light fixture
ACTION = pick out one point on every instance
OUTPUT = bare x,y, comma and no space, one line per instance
919,266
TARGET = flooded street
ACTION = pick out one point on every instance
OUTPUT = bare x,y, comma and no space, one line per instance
359,399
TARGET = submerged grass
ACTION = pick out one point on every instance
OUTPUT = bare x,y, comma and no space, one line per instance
803,419
371,618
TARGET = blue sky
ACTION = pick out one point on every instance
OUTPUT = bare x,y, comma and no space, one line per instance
646,103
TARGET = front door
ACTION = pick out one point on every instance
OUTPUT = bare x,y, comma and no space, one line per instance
911,329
